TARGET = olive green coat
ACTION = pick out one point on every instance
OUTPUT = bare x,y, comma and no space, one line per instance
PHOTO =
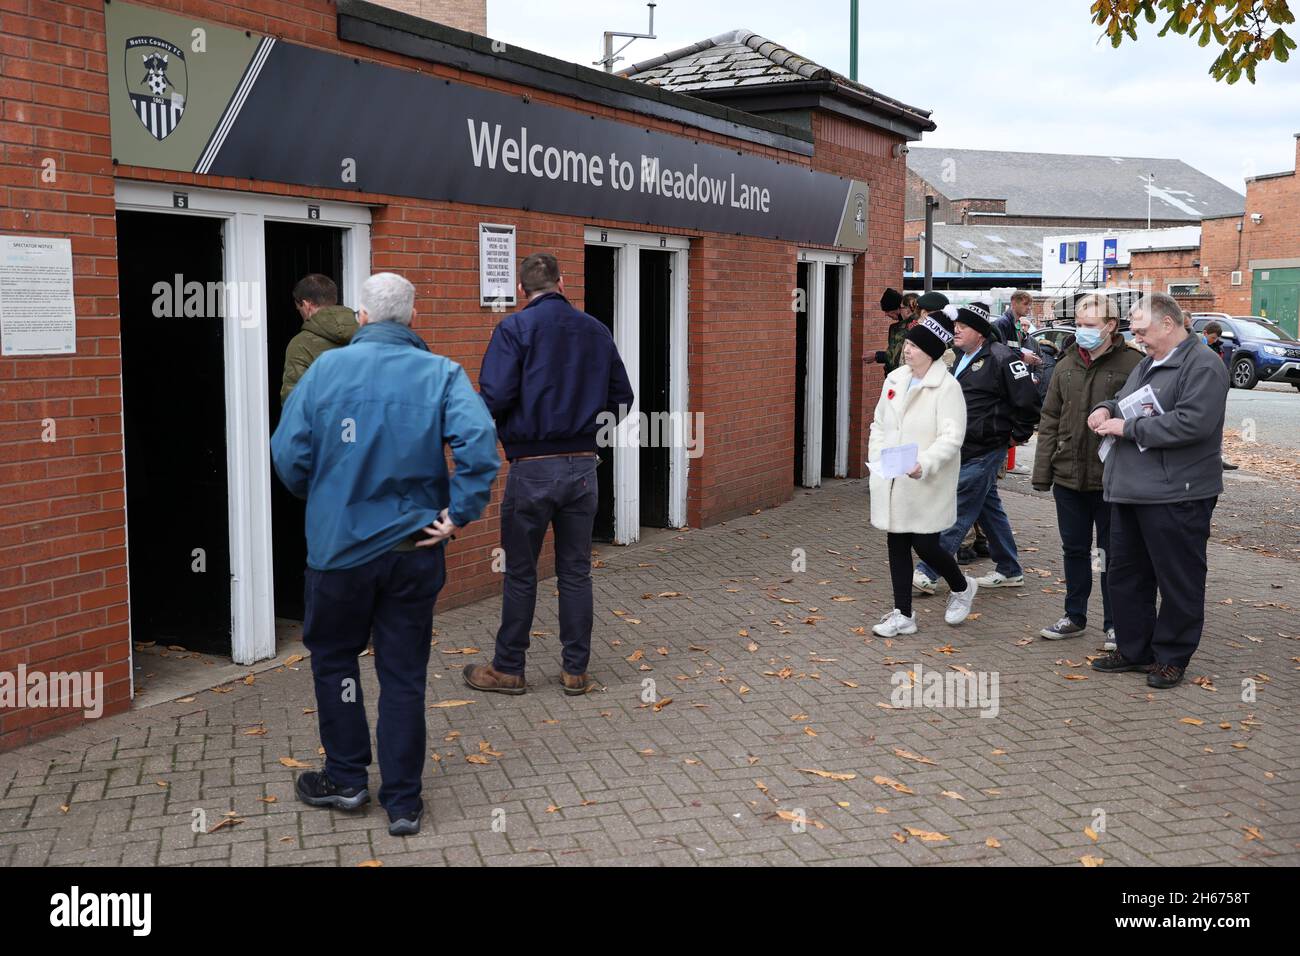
1067,448
328,328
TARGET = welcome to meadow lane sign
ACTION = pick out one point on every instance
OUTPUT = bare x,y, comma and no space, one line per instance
296,115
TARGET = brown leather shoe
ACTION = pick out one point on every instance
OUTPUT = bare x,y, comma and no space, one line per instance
575,685
485,678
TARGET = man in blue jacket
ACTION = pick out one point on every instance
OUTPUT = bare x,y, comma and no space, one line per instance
552,378
361,438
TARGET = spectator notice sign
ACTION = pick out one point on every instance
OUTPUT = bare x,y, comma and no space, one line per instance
496,264
37,316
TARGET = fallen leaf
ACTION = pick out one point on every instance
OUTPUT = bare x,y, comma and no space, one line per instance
929,836
809,732
1191,720
552,809
908,755
228,822
992,843
294,764
849,683
293,659
370,864
791,817
900,837
267,799
830,775
249,681
664,702
184,700
636,655
669,594
1091,834
1252,833
255,732
952,794
891,783
477,758
445,704
462,650
1091,860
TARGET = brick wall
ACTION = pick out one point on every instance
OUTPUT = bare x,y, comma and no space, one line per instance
63,597
866,153
1223,250
1160,268
62,524
468,15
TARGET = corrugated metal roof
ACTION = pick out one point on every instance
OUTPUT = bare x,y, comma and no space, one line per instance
1066,185
991,248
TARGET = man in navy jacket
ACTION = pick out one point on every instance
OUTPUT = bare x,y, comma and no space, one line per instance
552,377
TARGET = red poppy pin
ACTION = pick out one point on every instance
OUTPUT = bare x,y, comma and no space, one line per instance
890,395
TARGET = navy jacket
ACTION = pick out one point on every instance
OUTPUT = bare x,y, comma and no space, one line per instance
1002,403
549,374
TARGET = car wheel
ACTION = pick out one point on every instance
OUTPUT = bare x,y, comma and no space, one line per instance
1244,374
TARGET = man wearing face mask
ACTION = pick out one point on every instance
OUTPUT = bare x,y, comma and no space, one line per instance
1092,370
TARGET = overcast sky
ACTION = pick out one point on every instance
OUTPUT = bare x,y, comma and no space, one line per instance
1000,74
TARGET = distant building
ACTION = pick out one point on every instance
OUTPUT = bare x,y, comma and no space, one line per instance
982,193
1245,263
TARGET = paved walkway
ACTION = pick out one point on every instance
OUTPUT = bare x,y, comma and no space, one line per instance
772,674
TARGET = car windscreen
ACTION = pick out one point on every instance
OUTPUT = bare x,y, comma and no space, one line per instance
1259,329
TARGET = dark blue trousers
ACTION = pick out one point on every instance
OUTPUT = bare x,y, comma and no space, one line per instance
1159,548
1078,513
391,597
541,493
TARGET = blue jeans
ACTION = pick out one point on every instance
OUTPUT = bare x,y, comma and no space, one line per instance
977,500
541,493
391,597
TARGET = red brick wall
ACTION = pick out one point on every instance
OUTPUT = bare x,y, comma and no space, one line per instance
1223,249
867,154
62,532
1159,268
63,597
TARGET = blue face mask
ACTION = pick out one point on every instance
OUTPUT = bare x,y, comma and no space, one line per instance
1088,339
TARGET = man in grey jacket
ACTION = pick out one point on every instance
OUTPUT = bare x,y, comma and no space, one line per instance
1162,476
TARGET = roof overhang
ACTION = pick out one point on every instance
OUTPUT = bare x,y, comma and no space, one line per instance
827,95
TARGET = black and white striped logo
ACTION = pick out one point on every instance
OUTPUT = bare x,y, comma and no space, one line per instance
157,82
942,334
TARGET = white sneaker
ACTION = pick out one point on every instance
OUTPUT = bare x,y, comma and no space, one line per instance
959,602
1110,644
895,623
996,579
923,584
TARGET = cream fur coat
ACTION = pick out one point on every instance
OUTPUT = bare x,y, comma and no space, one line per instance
932,416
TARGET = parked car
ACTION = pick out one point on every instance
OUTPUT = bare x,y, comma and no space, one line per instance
1254,349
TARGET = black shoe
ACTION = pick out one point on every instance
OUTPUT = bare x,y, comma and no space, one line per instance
1228,466
981,547
1164,676
406,826
1114,662
966,556
317,790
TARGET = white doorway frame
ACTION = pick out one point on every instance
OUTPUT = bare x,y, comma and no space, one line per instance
627,336
815,300
248,439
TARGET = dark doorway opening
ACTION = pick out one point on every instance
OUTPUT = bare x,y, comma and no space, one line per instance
170,274
656,290
293,250
600,263
800,367
830,367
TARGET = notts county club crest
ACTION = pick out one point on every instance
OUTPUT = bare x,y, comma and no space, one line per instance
156,81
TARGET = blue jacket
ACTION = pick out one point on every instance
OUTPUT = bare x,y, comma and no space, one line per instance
361,438
548,374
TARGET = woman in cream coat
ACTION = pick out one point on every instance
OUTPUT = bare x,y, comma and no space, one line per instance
921,404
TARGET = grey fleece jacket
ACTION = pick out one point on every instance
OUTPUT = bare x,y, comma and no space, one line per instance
1183,457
